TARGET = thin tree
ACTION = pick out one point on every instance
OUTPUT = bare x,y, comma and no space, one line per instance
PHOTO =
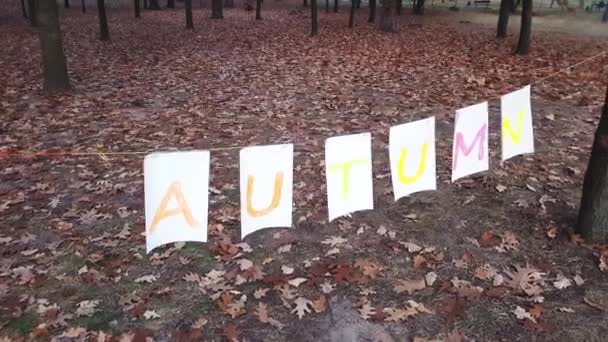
326,6
305,4
137,8
388,21
146,4
153,5
170,3
398,6
83,6
523,46
372,11
54,68
351,19
66,3
605,15
503,18
217,10
258,9
32,9
104,33
229,3
314,29
419,7
189,22
23,9
593,214
335,6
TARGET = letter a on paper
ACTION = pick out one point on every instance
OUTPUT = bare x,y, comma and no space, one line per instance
412,156
517,129
348,163
176,197
470,149
266,187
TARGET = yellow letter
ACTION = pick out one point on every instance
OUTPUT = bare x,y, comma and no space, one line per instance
276,196
508,131
401,167
345,167
175,190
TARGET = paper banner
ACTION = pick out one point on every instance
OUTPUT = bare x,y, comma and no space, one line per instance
516,118
412,157
266,187
176,197
470,149
348,168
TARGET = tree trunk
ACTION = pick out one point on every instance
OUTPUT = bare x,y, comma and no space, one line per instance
104,33
335,6
351,18
32,9
605,16
170,3
217,10
66,3
154,5
137,9
146,4
593,215
419,7
515,5
523,46
357,4
372,11
189,22
388,22
258,9
54,67
398,6
83,6
229,3
305,4
23,9
314,29
503,18
326,6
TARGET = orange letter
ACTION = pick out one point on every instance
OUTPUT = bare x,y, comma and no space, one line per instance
345,167
175,190
401,167
276,196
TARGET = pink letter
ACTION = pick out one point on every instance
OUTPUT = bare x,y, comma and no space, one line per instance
460,145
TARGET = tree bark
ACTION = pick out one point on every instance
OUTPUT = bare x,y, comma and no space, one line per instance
217,9
335,6
593,214
372,11
54,68
32,9
351,18
523,46
153,5
170,3
326,6
398,7
229,3
305,4
146,4
137,8
66,3
419,7
258,9
357,4
83,6
515,5
104,33
503,18
23,9
314,27
388,21
189,22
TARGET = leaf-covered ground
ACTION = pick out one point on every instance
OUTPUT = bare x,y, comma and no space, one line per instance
489,258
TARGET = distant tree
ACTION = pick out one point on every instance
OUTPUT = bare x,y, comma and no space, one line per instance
154,5
305,4
217,9
605,16
351,19
523,46
593,214
258,9
229,3
170,3
335,6
189,22
419,7
503,18
146,4
326,6
83,6
137,8
372,11
66,3
515,5
23,9
314,30
399,5
32,9
388,21
54,68
104,33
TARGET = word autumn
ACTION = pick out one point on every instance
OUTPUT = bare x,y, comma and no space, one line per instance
176,183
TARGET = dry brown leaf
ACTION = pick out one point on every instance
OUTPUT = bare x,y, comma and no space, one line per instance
409,286
319,304
526,279
264,317
367,311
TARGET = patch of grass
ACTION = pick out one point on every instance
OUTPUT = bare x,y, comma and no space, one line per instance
100,321
24,324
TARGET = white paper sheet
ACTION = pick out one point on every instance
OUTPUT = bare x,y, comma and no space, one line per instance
470,146
516,118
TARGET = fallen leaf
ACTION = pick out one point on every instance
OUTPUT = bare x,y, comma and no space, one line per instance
409,286
301,307
151,314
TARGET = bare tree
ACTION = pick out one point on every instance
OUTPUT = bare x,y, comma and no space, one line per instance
217,9
388,21
258,9
189,22
170,3
23,9
153,5
503,18
54,68
66,3
137,8
523,46
372,11
335,6
83,6
314,29
32,9
351,19
419,7
104,33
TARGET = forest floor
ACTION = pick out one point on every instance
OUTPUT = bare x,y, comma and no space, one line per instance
488,258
